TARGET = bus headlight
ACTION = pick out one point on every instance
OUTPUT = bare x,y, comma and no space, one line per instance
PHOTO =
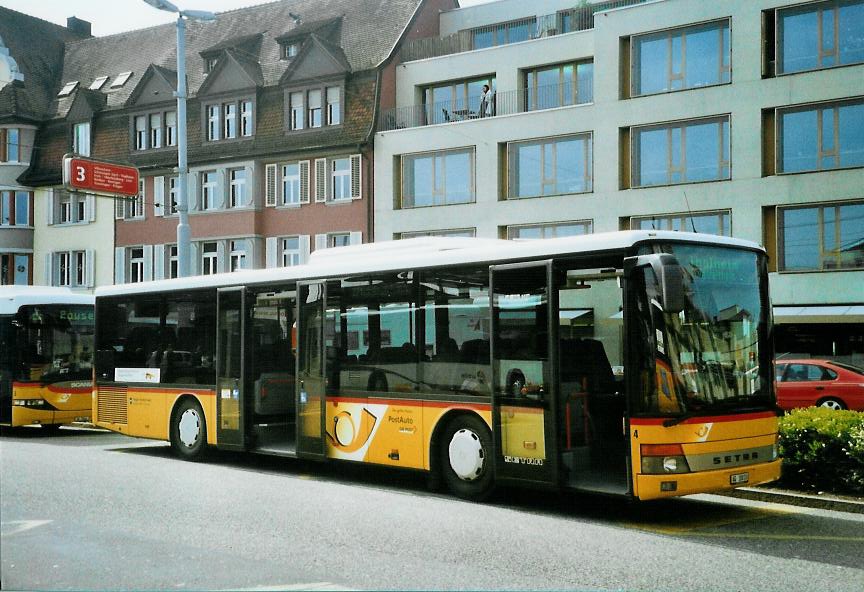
29,402
663,459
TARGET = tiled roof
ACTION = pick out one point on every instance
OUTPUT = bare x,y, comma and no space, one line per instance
370,29
37,47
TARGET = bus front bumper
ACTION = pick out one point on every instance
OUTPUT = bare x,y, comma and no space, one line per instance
22,416
659,486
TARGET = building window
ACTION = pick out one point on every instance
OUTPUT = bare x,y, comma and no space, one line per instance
210,64
290,251
15,269
15,208
173,262
503,33
820,35
12,145
229,111
683,152
209,258
81,139
438,178
69,208
64,268
821,238
560,85
550,166
314,98
680,59
297,114
719,222
173,194
213,123
155,130
334,112
821,137
288,51
340,179
136,265
551,230
237,180
209,186
291,184
245,118
136,205
456,101
237,255
457,232
338,239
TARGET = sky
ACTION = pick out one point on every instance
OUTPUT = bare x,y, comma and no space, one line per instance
115,16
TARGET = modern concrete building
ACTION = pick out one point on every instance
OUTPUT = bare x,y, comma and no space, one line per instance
742,118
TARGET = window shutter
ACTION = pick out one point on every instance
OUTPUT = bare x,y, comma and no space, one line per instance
221,265
148,263
271,180
90,269
250,185
304,181
251,254
221,189
320,241
320,180
145,196
3,145
119,265
159,196
49,269
49,208
159,262
272,247
304,248
195,258
355,238
91,208
192,192
356,177
119,208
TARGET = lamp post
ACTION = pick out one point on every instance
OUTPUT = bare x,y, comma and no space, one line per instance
184,264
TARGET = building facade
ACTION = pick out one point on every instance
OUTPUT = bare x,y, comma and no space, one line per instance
739,118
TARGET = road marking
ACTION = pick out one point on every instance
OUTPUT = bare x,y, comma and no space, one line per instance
18,526
310,586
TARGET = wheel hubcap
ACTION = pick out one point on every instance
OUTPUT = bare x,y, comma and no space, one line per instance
189,427
832,405
466,455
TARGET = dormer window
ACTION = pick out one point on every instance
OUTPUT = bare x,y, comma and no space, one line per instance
289,50
210,64
229,120
314,107
121,79
68,88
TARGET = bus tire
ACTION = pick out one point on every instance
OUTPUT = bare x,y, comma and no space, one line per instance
188,430
466,458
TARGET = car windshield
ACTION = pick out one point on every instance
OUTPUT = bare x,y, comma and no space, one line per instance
55,342
707,357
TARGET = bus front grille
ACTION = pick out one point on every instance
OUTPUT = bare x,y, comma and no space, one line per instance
111,404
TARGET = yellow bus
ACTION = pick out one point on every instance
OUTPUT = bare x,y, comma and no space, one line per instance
46,356
630,363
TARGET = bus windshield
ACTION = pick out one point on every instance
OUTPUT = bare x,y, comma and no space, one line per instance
55,343
707,357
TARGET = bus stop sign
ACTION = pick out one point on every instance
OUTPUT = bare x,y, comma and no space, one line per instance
94,176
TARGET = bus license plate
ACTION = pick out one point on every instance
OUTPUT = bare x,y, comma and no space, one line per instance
739,478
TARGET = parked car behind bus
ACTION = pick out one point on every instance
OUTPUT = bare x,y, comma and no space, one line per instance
805,383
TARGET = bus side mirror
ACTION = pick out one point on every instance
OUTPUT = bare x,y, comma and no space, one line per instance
670,278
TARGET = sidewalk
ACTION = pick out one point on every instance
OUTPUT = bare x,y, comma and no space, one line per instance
824,501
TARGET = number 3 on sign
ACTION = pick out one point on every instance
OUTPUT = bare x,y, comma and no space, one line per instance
79,174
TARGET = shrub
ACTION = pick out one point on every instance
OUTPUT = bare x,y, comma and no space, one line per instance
823,450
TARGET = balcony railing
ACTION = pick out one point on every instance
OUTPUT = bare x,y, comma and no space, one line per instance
502,103
547,25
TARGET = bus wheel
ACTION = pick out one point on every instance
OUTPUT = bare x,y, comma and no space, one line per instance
188,430
466,458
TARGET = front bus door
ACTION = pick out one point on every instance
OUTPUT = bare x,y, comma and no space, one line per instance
230,358
311,368
523,377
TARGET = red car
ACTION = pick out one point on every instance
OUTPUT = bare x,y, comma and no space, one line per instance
804,383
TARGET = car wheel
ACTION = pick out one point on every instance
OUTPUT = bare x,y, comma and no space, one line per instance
832,403
188,430
466,458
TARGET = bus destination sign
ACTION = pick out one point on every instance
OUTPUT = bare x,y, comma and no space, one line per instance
94,176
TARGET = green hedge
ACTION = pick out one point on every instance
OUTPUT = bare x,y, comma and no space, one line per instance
823,450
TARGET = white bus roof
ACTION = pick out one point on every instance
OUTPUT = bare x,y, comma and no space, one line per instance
418,253
14,297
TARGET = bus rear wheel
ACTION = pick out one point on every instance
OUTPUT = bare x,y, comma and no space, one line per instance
466,458
188,430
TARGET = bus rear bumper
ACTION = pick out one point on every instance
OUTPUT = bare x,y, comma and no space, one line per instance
659,486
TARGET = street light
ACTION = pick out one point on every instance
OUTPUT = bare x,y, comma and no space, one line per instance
184,267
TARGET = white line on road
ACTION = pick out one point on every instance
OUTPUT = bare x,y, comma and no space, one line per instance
18,526
310,586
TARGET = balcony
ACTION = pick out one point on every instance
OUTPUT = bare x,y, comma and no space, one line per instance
522,100
548,25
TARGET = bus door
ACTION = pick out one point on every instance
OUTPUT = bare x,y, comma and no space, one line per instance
311,385
523,386
230,367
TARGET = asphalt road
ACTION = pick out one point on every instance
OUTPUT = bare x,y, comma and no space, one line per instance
92,510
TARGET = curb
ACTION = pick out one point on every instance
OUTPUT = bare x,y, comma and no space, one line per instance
795,498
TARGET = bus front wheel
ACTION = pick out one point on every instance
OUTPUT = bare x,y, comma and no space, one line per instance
188,430
466,458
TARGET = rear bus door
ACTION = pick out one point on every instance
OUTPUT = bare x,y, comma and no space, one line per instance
230,368
311,368
523,384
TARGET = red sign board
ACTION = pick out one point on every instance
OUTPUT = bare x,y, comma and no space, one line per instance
94,176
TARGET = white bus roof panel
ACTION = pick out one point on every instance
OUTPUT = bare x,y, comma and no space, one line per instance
14,297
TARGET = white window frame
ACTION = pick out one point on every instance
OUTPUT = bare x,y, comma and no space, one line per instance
214,126
334,105
81,138
290,257
247,111
229,121
237,255
209,258
237,188
135,265
155,124
340,180
209,190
